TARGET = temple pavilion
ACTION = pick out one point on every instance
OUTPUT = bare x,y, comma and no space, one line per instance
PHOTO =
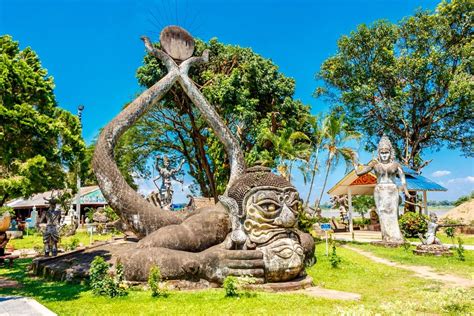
352,185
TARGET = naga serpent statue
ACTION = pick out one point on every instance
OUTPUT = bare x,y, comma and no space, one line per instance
251,231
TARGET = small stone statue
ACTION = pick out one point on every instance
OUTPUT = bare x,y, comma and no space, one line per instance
386,192
340,202
53,219
431,245
430,236
166,174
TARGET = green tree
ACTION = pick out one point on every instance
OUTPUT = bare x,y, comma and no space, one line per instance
38,140
336,134
362,204
287,147
464,198
249,93
411,80
311,167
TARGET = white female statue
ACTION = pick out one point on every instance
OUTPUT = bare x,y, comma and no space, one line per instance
386,192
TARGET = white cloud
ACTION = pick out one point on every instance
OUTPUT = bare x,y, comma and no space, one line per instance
468,179
440,173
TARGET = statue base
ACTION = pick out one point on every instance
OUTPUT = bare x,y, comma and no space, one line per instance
294,285
387,244
432,250
74,266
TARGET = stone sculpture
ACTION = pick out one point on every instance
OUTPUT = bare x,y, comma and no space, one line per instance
430,244
166,174
5,221
386,192
430,236
340,202
252,231
51,232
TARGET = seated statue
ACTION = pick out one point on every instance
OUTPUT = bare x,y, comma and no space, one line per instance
430,244
251,231
430,236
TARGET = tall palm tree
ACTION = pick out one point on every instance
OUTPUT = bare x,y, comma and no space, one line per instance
289,146
336,136
317,136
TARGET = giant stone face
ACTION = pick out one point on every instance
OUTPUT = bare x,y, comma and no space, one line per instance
270,214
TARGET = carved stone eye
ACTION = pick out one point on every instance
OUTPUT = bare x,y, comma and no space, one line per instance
271,208
285,252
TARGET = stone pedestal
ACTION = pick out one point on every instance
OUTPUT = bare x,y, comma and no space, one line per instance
297,284
432,250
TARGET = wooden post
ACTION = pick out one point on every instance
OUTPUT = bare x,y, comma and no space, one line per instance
349,197
425,202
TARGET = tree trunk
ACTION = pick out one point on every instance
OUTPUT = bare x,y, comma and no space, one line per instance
313,175
325,180
201,155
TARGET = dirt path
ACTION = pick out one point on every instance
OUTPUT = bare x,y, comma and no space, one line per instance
421,271
8,283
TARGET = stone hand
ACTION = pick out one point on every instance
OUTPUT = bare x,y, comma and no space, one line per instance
218,263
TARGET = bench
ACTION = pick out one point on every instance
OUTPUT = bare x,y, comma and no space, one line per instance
10,258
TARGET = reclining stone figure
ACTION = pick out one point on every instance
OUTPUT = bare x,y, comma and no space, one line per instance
252,231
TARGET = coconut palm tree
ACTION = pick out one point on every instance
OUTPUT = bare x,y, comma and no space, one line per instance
290,146
336,136
309,170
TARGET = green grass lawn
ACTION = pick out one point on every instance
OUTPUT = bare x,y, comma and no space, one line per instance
36,240
450,265
384,290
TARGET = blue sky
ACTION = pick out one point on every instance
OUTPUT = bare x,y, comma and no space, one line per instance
92,49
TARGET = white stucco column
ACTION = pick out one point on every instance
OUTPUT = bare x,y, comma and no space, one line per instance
425,202
349,198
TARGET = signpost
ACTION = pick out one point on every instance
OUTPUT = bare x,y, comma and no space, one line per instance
326,227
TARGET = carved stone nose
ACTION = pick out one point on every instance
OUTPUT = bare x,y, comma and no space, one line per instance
287,218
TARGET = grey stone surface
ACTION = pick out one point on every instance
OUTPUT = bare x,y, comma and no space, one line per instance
22,306
261,207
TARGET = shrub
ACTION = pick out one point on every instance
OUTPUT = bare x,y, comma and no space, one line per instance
334,258
154,279
111,215
450,232
305,221
74,243
232,284
103,281
90,214
406,245
361,221
460,250
412,224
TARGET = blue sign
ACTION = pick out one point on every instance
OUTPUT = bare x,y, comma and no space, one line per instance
325,226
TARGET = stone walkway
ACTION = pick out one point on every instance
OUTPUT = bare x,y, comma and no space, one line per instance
320,292
421,271
22,306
